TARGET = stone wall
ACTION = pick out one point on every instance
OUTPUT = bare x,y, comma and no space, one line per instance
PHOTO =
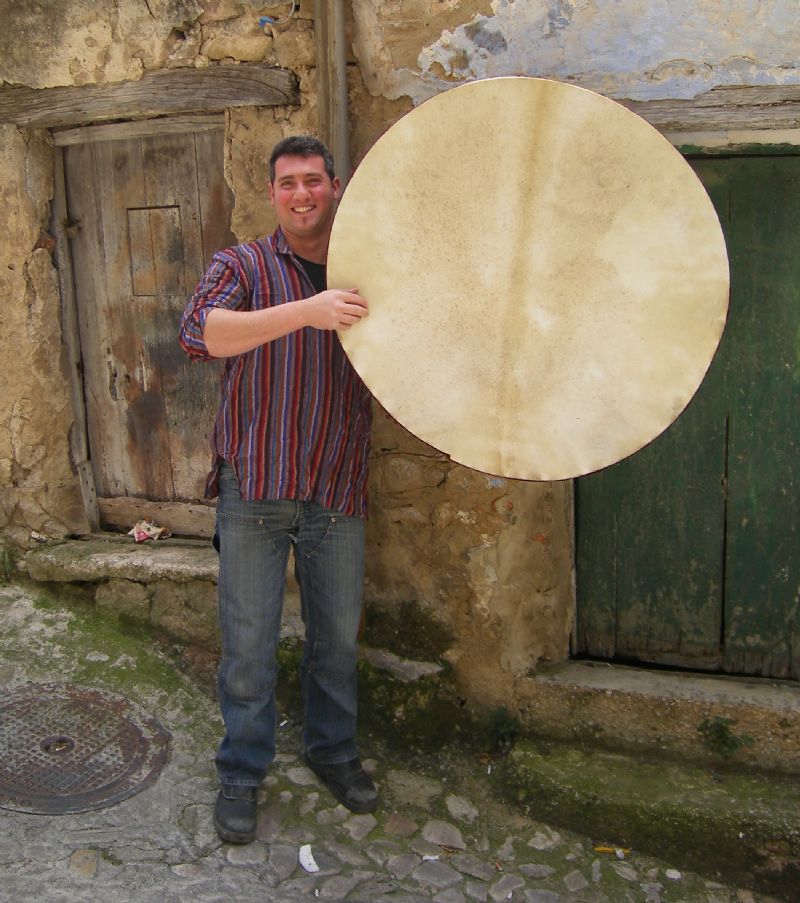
490,559
38,489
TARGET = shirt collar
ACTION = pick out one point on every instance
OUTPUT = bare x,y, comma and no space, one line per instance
280,243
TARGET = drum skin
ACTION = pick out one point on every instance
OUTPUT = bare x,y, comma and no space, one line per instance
546,276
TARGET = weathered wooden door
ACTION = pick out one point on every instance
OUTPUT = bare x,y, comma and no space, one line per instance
146,214
688,553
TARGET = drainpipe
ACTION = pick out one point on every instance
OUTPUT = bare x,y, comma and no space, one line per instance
332,105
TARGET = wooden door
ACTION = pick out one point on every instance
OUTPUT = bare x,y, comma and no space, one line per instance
688,552
146,214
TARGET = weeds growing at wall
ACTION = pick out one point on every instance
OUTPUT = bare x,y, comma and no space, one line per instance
720,739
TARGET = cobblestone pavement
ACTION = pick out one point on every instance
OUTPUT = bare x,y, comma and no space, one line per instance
439,835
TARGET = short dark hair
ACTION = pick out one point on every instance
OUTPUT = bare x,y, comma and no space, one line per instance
301,146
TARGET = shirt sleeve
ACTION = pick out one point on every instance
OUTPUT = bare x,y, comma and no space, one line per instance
223,285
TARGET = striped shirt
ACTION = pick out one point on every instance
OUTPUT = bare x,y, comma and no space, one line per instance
294,421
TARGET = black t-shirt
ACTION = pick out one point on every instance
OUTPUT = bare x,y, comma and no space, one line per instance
315,272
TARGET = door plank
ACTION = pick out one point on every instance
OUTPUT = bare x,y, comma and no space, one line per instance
114,464
141,419
78,436
190,392
121,131
650,530
216,199
596,535
143,264
762,625
84,200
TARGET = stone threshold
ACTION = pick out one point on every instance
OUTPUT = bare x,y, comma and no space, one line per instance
781,695
172,584
107,556
706,718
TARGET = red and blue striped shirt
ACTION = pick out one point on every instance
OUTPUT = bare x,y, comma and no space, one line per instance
294,420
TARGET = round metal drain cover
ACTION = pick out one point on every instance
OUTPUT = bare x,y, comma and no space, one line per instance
72,749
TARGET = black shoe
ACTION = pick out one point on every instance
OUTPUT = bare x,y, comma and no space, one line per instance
349,783
235,813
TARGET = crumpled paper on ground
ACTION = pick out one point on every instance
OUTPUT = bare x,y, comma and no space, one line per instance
144,529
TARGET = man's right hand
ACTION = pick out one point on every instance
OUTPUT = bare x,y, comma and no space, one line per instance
335,309
230,332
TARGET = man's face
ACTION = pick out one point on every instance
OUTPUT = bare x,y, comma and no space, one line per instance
303,196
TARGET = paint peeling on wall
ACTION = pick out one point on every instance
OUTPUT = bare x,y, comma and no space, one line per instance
630,49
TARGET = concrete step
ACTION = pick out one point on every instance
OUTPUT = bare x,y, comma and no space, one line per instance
112,556
743,825
172,585
705,718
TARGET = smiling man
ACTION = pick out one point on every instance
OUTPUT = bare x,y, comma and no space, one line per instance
290,447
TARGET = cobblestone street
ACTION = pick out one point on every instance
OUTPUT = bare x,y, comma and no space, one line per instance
439,835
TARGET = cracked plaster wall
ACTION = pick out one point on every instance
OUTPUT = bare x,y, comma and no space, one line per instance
632,49
489,557
38,490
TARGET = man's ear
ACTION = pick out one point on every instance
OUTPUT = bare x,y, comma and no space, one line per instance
271,193
337,187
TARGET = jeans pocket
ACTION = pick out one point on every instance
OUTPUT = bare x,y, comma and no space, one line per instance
242,528
321,534
333,534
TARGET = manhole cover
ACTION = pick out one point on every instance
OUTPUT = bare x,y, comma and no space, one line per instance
71,749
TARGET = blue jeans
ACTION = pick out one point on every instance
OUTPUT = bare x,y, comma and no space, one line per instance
255,538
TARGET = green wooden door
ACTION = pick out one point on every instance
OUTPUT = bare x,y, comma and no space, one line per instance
687,552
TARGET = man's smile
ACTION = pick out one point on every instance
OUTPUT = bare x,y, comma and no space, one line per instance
304,196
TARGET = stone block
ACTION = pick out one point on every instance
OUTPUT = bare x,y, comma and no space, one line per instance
252,134
83,41
306,10
295,48
124,597
400,826
220,11
443,834
406,474
246,48
187,611
436,874
411,789
95,561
